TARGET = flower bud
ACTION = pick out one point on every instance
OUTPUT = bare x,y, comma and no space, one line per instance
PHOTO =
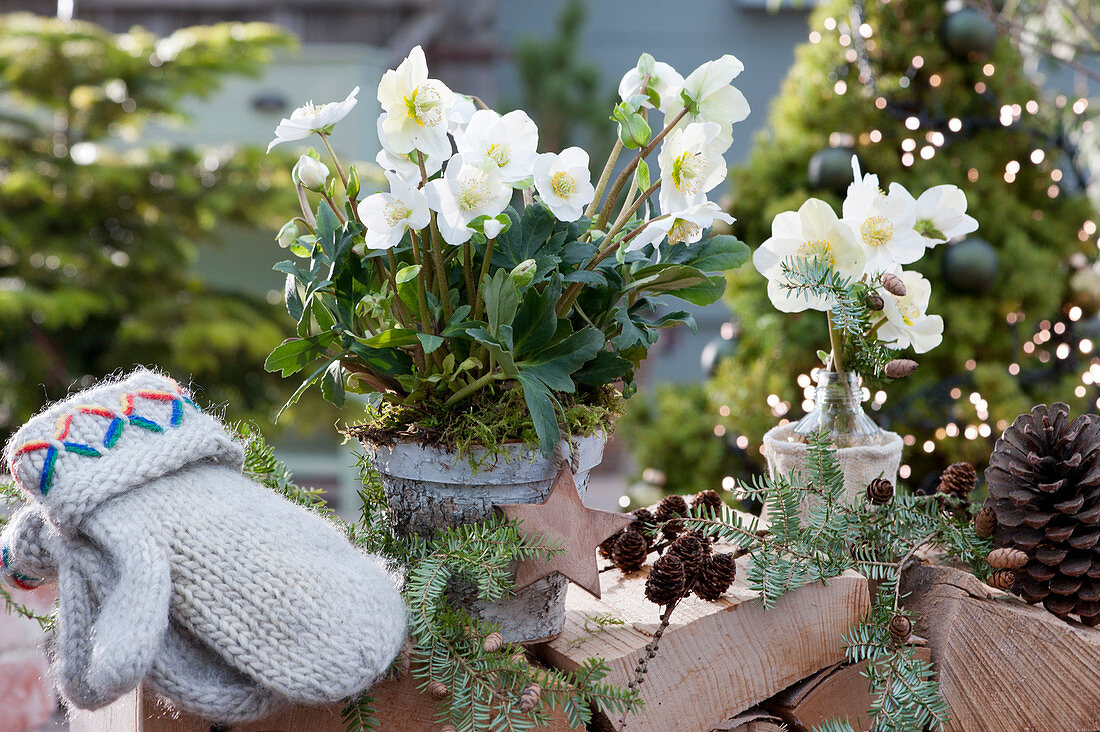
892,284
492,228
311,173
523,274
900,368
287,235
634,131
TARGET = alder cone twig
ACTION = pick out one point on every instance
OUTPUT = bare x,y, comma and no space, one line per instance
692,551
665,584
716,576
1044,489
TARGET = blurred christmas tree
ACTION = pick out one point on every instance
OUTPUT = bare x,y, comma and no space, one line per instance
98,235
923,94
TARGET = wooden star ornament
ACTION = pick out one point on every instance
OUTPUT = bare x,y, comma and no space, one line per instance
564,520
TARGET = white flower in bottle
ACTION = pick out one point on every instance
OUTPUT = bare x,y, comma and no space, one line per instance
309,119
941,214
466,191
417,108
907,320
681,227
716,99
388,215
798,238
508,141
310,172
691,164
664,80
884,222
405,164
565,182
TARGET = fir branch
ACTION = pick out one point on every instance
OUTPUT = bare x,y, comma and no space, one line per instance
359,714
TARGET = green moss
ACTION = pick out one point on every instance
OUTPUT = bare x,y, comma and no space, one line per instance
490,420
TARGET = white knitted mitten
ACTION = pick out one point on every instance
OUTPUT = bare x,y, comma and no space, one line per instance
173,566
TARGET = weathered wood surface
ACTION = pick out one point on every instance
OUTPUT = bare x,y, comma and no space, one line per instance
401,708
754,720
838,692
717,658
1004,666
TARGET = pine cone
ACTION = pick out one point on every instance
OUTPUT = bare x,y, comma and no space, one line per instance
665,584
901,628
669,508
710,501
716,576
492,643
899,368
880,491
1002,579
693,550
630,552
892,284
438,690
1044,488
607,546
644,524
958,480
985,521
1005,558
873,301
529,697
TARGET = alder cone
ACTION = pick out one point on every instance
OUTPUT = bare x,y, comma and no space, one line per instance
880,491
630,551
716,576
985,521
1044,488
710,501
665,584
644,524
692,550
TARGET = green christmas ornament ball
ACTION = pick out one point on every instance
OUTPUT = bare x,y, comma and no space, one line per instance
971,265
831,169
969,34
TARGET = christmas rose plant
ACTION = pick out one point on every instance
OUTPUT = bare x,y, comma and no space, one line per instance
850,267
486,270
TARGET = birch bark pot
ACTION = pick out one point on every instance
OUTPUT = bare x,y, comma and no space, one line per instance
428,489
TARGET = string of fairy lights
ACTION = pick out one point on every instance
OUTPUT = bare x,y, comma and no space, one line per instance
1054,348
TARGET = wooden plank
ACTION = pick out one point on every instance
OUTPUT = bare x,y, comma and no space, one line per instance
838,692
1004,666
717,658
754,720
401,708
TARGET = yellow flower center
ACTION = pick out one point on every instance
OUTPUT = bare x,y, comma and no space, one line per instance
910,313
876,231
473,192
683,230
817,249
395,212
499,153
563,184
689,170
424,106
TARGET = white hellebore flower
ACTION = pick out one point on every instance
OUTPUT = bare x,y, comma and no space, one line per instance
884,222
664,80
942,209
308,119
691,164
417,108
461,113
565,182
466,190
681,227
405,164
813,232
310,172
716,98
388,215
509,142
907,320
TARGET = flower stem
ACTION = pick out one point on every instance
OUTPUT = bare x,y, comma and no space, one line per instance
473,386
468,269
442,282
335,209
874,328
335,160
631,210
421,295
479,301
836,341
604,177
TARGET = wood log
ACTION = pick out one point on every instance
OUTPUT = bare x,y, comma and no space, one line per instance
716,659
839,692
1003,665
401,708
754,720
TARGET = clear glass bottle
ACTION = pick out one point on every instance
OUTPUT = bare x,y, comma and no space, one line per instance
838,411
